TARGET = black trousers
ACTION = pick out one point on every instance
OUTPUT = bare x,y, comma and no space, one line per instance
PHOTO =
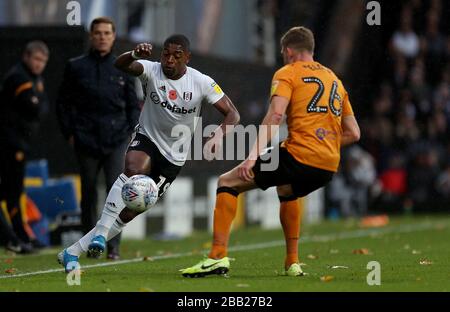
12,173
90,166
6,231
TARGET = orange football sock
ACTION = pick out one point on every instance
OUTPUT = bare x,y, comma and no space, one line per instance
224,213
290,220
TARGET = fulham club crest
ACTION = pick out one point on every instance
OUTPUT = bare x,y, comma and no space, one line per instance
187,96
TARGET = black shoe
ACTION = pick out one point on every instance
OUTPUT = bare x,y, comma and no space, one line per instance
21,248
113,253
37,244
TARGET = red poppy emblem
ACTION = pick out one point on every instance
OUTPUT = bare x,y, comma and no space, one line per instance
172,95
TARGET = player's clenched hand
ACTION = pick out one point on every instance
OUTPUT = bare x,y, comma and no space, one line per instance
245,170
143,50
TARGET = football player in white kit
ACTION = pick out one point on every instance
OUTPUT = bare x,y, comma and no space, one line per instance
174,94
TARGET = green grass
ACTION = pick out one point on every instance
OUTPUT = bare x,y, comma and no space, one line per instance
398,248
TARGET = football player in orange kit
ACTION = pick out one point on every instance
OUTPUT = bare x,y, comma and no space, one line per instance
320,120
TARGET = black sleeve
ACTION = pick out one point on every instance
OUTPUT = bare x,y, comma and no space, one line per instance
26,99
133,110
65,108
42,96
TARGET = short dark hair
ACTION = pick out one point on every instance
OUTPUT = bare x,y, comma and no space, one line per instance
36,45
298,38
179,39
102,20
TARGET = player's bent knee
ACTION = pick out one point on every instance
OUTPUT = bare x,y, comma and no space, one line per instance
126,215
129,172
137,163
133,168
225,181
285,191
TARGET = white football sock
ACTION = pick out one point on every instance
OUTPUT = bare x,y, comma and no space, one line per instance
82,245
116,228
113,206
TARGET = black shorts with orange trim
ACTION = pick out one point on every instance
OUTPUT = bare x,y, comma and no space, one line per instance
304,179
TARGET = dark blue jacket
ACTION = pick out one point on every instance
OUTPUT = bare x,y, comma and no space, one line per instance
97,104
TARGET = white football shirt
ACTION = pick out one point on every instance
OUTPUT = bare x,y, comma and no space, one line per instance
173,103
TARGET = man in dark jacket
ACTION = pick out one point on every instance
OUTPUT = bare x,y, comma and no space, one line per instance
97,109
22,99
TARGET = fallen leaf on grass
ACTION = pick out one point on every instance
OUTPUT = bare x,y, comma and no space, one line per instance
327,278
312,257
416,252
11,270
362,251
374,221
9,260
338,267
425,262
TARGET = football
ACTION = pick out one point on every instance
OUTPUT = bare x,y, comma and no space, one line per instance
140,193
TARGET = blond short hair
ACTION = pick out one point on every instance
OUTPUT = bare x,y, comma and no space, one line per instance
298,38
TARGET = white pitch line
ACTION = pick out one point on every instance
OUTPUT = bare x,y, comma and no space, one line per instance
305,239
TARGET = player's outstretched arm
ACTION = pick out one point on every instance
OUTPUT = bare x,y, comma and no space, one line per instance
127,61
271,121
273,118
350,130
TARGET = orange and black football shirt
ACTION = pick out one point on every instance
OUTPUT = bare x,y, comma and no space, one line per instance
317,103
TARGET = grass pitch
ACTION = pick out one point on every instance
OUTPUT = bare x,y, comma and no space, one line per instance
413,254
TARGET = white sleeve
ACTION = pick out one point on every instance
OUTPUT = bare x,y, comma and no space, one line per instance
147,74
211,90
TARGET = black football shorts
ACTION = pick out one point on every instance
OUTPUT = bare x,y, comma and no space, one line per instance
303,179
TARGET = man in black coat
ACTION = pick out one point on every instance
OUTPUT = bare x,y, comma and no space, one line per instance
22,99
97,110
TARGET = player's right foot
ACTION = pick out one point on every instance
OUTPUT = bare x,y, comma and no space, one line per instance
97,246
294,270
68,261
208,266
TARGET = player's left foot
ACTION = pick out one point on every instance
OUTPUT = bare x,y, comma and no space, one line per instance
208,266
68,261
294,270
